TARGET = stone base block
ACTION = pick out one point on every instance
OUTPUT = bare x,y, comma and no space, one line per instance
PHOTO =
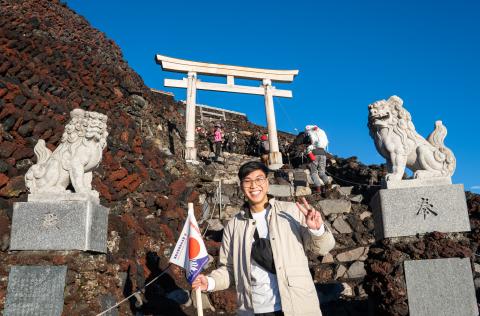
412,183
275,160
441,287
419,210
61,225
65,196
35,290
191,153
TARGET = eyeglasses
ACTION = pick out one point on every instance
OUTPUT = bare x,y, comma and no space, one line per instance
258,181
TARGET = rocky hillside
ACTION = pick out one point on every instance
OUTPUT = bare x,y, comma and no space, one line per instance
53,61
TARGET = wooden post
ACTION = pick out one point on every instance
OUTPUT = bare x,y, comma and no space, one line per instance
190,150
275,157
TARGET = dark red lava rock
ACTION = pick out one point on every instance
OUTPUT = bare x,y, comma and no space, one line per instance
385,280
3,179
14,187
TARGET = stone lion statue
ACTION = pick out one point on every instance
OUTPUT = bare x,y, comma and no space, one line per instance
395,138
79,152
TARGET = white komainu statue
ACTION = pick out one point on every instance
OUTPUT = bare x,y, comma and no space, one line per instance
391,128
79,152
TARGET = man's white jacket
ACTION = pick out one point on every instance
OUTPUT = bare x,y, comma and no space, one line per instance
290,239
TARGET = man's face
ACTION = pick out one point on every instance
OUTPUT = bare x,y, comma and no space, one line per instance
255,187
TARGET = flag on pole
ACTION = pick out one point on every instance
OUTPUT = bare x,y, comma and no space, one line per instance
190,252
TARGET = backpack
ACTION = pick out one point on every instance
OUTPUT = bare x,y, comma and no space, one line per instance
317,136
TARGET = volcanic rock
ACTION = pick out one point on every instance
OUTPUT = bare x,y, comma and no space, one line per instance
330,206
342,226
351,255
356,270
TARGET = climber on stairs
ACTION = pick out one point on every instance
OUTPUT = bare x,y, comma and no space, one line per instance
264,148
316,152
217,140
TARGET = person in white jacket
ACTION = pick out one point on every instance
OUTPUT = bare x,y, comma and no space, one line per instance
263,252
316,152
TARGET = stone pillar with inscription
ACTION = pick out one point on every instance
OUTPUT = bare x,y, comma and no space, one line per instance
410,207
35,290
429,202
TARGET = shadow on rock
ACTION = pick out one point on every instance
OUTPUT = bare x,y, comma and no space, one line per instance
162,297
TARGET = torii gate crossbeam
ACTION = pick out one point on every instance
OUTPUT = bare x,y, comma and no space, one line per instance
192,84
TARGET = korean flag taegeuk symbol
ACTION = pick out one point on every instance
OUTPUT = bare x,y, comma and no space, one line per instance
190,251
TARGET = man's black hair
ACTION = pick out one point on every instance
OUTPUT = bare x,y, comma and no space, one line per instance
250,167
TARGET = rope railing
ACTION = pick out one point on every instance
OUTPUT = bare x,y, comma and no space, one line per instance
352,182
218,193
136,292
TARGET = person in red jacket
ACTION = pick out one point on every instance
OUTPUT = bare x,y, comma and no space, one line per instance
264,148
217,140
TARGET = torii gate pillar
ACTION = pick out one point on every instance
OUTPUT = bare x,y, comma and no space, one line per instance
192,83
190,149
275,157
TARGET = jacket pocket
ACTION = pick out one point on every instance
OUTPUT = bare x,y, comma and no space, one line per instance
299,277
304,299
303,282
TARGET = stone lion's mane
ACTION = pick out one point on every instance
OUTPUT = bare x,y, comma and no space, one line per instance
403,126
89,125
84,127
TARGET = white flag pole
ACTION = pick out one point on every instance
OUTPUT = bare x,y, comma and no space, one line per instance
198,291
198,297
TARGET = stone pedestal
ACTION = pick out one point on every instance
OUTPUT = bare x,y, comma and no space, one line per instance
70,224
419,210
412,183
442,287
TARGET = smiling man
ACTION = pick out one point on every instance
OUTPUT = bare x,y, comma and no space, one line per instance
263,251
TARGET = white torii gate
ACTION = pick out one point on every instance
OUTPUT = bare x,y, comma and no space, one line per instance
192,84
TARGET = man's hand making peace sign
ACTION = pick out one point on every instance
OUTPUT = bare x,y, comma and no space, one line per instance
313,217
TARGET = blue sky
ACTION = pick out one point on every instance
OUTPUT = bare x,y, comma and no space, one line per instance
349,54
